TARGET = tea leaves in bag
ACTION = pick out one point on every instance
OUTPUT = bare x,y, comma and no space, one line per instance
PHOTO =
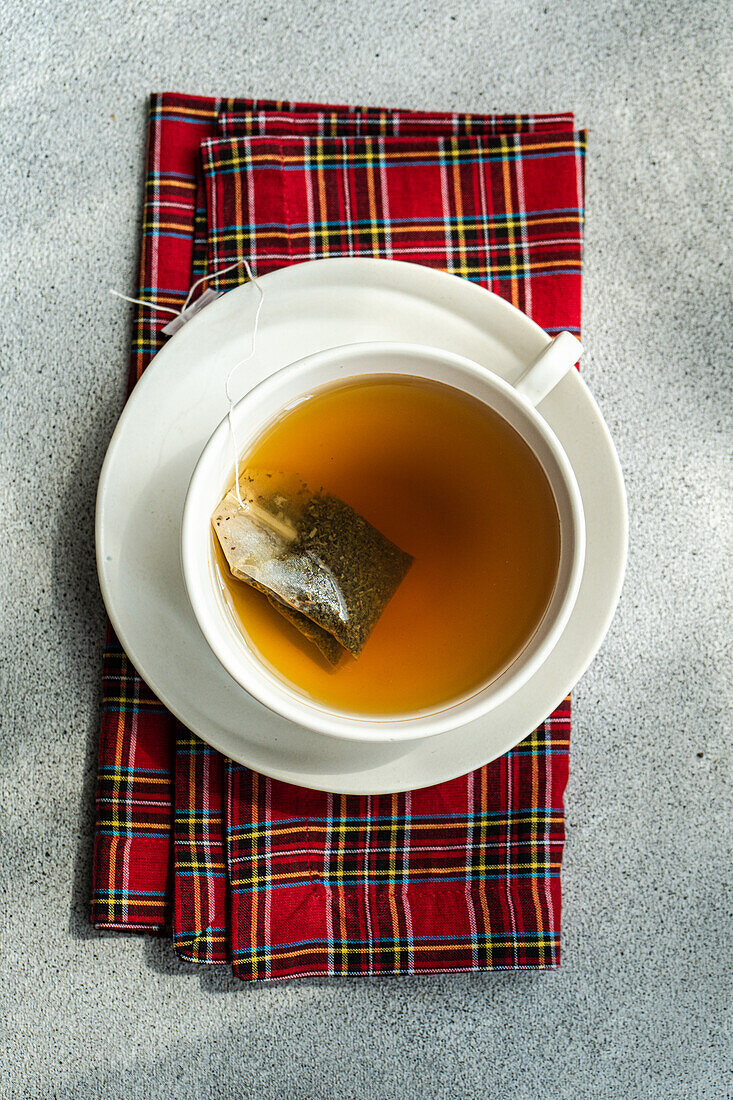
314,555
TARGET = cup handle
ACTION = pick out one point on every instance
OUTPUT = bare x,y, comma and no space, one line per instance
549,367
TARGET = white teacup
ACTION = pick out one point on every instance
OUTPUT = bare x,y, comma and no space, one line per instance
214,474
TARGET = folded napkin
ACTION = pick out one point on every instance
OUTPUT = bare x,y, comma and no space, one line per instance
278,880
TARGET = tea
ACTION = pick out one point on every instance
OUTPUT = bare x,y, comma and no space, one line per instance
449,482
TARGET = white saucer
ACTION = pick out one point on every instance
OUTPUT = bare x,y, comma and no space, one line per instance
160,435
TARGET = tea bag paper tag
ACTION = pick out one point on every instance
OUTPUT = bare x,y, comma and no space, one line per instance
201,302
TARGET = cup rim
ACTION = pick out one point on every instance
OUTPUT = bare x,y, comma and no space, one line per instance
269,690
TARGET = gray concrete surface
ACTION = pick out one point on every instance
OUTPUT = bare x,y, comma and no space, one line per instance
642,1004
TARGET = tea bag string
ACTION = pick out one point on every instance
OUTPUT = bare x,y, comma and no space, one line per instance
232,372
227,384
179,312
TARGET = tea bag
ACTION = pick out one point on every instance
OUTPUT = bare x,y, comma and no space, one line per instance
314,556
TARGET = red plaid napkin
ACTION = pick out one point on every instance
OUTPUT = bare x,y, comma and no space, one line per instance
280,880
